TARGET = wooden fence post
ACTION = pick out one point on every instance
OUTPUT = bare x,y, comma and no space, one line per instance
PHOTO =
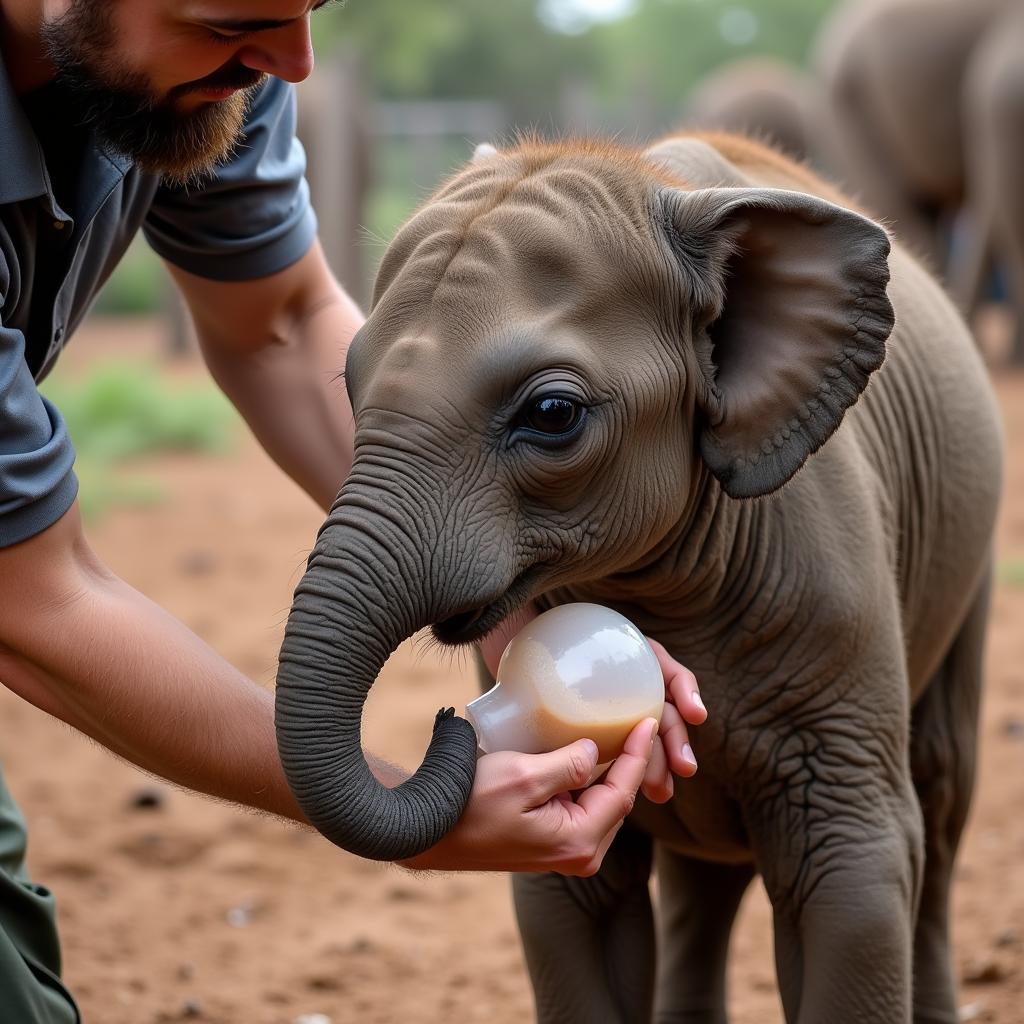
333,127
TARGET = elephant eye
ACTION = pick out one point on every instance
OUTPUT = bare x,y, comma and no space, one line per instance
553,415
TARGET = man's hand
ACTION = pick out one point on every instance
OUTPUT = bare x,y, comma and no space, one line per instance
536,812
673,755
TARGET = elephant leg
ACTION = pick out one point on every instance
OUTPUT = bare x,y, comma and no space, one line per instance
589,942
838,839
993,108
1010,238
943,747
970,264
697,903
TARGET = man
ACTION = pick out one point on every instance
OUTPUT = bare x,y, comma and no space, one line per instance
177,117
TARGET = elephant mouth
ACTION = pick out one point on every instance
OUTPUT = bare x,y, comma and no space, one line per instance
472,624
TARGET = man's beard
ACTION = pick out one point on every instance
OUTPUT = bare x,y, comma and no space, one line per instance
125,115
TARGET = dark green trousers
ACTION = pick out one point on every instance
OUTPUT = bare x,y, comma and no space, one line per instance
30,987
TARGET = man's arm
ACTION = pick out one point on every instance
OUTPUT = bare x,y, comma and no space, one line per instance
276,346
86,647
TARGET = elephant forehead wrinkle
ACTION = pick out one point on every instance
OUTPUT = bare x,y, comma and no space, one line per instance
472,267
555,199
571,194
589,192
441,242
580,207
432,254
572,200
410,349
479,192
519,231
414,369
514,353
542,262
412,440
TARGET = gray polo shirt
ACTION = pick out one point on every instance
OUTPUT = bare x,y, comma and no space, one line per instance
251,219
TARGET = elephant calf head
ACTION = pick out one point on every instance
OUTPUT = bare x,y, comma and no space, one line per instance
569,347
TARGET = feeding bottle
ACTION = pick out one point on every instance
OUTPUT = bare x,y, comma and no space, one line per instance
578,670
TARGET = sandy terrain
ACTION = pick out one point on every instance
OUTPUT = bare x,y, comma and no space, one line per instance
192,910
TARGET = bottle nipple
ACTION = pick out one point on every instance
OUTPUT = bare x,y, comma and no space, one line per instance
579,670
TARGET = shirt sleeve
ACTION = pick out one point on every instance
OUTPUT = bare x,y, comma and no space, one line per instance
253,216
37,484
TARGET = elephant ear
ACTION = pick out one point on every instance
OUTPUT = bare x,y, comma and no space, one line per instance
695,161
789,315
484,151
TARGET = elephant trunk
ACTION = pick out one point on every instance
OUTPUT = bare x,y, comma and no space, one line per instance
343,626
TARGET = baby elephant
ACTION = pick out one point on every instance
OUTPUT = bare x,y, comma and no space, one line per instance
692,383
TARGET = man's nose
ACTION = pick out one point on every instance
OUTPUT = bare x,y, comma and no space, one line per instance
285,52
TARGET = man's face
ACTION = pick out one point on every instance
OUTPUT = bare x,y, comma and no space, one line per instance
166,82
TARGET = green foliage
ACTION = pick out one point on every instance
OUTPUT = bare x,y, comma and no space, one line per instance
403,179
387,209
136,286
101,488
508,51
395,36
121,411
436,48
1011,573
666,46
637,69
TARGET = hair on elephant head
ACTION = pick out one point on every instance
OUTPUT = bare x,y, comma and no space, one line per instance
570,345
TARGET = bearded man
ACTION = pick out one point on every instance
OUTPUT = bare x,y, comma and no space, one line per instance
177,117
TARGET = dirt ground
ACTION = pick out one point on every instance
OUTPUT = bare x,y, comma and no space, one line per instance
192,910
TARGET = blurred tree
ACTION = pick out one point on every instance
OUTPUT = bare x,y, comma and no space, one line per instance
459,48
616,64
400,40
667,45
521,51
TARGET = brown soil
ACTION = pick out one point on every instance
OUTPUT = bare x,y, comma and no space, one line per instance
193,910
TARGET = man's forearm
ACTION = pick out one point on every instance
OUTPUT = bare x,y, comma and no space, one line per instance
151,691
126,673
292,394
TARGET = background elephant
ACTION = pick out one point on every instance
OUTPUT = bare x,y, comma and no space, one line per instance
765,98
993,102
588,376
926,112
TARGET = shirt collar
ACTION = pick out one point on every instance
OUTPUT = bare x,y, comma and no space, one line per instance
24,175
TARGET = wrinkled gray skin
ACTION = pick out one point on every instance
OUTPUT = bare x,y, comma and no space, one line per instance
589,376
764,98
926,103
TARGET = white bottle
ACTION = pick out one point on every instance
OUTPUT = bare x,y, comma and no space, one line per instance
579,670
